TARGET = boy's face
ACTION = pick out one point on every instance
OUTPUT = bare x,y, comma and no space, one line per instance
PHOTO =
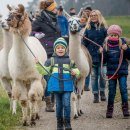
114,35
60,50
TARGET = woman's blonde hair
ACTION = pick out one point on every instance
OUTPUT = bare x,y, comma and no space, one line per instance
101,20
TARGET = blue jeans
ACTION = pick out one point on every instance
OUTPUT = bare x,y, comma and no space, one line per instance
98,83
87,81
63,105
46,93
123,89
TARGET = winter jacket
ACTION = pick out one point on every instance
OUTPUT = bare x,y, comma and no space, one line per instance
59,70
97,35
47,24
112,57
63,24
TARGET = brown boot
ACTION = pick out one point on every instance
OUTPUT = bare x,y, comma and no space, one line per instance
67,123
125,109
60,124
96,98
102,95
109,112
49,107
86,88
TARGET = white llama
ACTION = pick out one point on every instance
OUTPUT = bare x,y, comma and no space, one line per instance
4,71
82,59
27,87
1,43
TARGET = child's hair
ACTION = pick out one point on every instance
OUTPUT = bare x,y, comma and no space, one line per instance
101,20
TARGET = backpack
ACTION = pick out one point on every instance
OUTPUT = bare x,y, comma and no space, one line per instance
72,64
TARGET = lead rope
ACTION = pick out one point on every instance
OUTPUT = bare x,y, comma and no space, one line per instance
120,59
120,62
66,69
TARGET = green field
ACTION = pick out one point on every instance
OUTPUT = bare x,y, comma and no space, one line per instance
123,21
8,121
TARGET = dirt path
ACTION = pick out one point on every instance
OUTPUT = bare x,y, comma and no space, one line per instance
92,119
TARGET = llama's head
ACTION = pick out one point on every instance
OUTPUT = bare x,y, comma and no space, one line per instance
18,19
74,25
16,16
5,26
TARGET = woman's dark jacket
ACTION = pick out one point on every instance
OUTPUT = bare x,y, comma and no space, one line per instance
112,57
97,35
47,24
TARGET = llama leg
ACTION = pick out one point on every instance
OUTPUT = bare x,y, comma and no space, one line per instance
80,86
32,106
78,104
7,86
35,94
80,112
74,105
19,91
14,106
24,104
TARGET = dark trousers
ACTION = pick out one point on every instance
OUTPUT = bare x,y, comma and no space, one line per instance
123,89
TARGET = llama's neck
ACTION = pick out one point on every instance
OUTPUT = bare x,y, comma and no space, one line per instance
7,40
19,43
74,43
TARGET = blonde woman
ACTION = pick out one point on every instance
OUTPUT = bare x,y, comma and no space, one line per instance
96,30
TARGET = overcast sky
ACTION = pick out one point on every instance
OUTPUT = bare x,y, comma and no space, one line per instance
3,3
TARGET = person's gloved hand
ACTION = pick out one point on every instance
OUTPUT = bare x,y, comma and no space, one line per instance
124,47
39,35
65,35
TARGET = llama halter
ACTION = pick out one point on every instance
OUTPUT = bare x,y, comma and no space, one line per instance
74,24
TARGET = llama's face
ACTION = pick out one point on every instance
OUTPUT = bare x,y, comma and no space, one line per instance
4,25
74,24
16,16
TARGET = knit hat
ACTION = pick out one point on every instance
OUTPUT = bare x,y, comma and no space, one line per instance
60,41
114,29
49,5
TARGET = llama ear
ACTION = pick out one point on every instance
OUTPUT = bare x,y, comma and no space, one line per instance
21,8
9,7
